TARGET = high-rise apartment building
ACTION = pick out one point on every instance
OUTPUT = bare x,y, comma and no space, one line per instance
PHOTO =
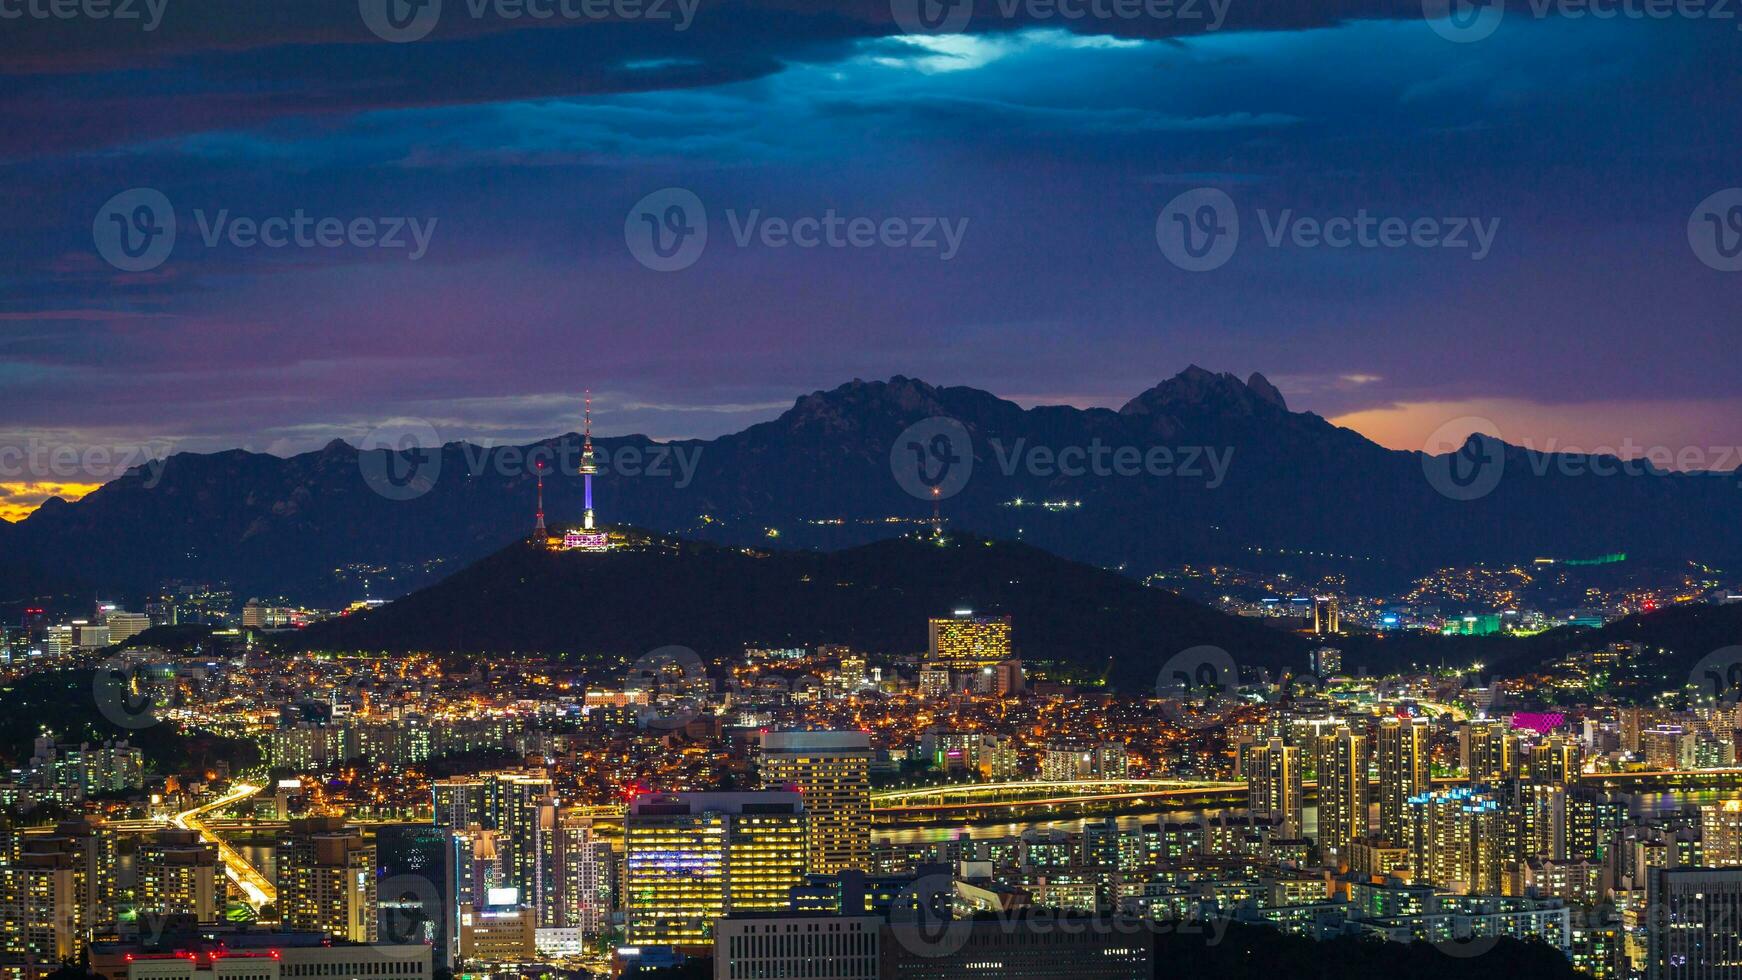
326,879
180,874
1344,793
1274,785
1403,773
1457,840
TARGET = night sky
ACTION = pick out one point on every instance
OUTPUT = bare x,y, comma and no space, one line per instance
1590,321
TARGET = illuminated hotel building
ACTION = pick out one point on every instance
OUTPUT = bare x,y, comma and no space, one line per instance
1403,773
966,641
1274,785
832,770
694,857
1457,840
1344,794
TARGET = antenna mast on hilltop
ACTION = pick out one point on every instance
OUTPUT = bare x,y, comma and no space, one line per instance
539,534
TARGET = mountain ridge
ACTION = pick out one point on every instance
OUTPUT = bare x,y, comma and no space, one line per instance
819,475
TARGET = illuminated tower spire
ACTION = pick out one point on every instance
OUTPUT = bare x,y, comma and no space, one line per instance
539,534
588,467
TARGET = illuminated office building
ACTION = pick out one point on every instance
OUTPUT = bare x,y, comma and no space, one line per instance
1691,916
833,771
691,858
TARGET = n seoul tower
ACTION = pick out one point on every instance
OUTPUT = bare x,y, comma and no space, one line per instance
588,467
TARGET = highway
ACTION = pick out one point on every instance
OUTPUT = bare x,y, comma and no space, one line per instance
247,877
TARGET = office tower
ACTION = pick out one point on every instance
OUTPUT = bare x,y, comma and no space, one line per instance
1555,760
1325,615
326,879
1011,952
124,626
1325,661
1008,678
415,887
1274,785
1721,834
1403,772
833,771
691,858
1457,840
180,874
1691,916
1490,752
1344,794
820,947
965,641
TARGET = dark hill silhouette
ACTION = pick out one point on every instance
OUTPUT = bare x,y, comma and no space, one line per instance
877,597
